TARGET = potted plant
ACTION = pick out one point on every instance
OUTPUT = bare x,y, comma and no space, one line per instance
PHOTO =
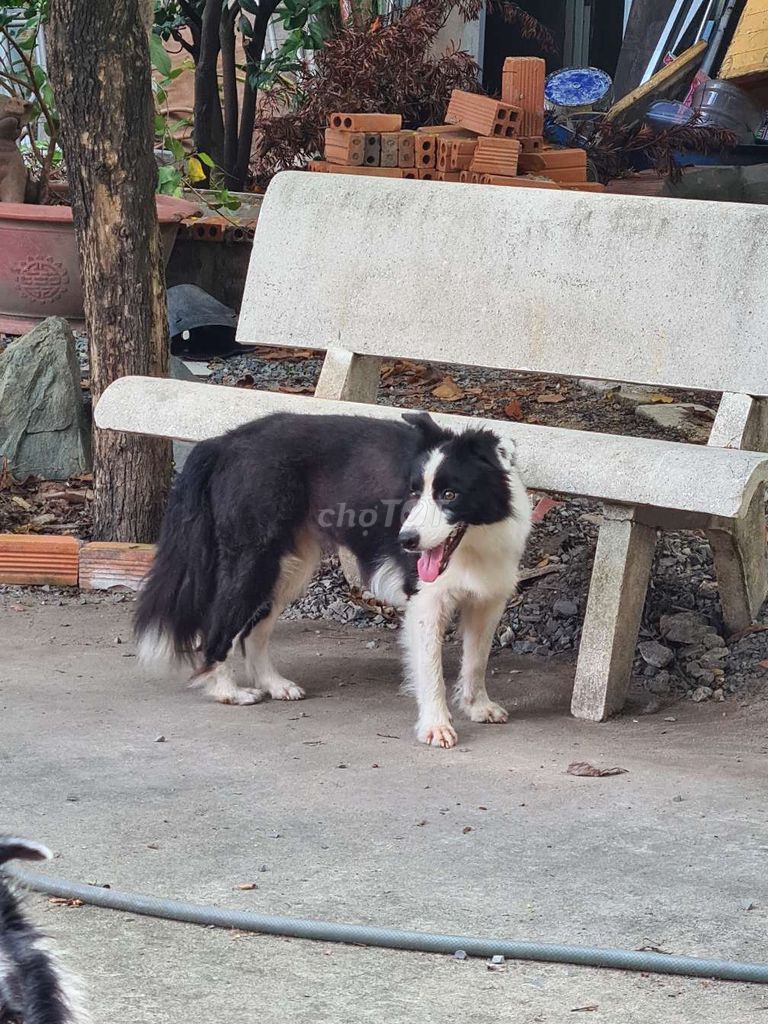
39,269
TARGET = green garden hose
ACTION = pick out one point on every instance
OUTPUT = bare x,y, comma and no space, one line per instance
393,938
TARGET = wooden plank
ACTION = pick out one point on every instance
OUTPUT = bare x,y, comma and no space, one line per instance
646,22
665,84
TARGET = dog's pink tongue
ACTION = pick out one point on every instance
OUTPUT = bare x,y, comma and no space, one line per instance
428,565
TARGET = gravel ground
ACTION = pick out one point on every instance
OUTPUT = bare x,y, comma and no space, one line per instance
682,649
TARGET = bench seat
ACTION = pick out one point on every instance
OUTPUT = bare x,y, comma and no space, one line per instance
681,478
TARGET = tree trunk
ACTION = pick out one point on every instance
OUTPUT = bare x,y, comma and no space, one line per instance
208,120
254,50
99,63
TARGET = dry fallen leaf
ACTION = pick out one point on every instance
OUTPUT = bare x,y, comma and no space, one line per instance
550,397
590,771
20,502
448,390
585,1009
763,663
246,886
514,409
660,398
61,901
467,828
296,389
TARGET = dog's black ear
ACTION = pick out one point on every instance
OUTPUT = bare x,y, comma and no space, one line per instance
12,848
429,430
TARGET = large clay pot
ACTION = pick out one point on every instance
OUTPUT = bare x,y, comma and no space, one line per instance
39,265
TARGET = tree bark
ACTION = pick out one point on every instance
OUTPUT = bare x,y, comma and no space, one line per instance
208,119
229,93
253,51
100,67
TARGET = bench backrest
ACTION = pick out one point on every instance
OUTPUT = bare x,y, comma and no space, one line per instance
657,291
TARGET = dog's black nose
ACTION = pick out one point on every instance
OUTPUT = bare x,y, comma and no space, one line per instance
409,540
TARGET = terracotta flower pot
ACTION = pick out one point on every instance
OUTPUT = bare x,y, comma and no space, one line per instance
39,265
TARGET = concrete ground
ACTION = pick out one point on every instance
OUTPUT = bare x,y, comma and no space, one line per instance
333,811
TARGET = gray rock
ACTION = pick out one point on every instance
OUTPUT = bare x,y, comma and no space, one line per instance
683,628
44,429
565,609
660,683
654,653
713,658
701,693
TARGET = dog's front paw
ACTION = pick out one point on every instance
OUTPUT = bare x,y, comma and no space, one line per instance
441,734
286,690
488,711
242,696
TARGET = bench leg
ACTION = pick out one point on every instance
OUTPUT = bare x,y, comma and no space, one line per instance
741,565
617,592
348,377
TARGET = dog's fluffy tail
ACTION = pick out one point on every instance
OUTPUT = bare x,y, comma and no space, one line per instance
180,587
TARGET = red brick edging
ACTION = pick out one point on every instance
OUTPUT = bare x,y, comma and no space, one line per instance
40,559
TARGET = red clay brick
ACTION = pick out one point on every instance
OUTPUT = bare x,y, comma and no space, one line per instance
103,566
518,182
496,156
372,150
38,559
453,131
448,176
585,186
374,172
522,85
406,152
390,146
426,151
366,122
482,115
553,159
427,173
531,143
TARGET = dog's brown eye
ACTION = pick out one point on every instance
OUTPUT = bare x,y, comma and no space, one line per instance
449,495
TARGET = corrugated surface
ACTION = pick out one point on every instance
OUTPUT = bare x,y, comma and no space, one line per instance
522,85
103,566
34,560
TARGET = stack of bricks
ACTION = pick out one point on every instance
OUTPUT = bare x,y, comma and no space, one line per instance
373,144
484,141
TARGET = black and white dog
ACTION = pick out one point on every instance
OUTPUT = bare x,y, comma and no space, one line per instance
437,520
33,987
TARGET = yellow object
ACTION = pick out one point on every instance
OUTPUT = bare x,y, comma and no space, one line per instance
195,170
747,56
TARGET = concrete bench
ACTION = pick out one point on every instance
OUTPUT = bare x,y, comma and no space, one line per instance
652,291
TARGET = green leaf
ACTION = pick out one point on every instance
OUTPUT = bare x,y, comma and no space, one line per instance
245,26
160,58
205,159
250,6
176,148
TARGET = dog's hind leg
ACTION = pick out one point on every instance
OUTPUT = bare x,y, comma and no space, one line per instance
479,620
245,589
426,618
296,570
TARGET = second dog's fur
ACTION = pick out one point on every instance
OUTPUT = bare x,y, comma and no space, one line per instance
33,987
